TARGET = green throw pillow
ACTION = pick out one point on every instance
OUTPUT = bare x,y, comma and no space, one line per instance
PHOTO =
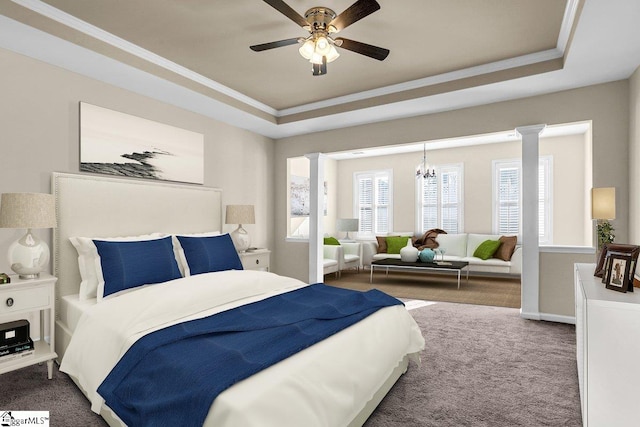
331,241
395,243
487,249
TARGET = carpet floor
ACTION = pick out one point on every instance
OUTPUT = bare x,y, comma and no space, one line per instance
500,291
482,366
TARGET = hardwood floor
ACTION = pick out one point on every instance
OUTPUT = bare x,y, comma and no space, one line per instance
497,291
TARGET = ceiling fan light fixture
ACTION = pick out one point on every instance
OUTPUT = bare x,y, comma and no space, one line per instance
316,58
307,49
333,54
321,22
322,45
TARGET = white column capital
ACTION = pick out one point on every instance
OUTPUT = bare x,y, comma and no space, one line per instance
532,129
313,156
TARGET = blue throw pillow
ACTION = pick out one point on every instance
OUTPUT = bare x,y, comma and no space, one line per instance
126,265
208,254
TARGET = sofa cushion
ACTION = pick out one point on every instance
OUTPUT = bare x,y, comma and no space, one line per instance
382,244
487,249
395,243
474,240
385,256
507,247
453,244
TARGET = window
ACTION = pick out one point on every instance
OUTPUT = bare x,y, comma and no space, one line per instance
440,201
373,201
507,176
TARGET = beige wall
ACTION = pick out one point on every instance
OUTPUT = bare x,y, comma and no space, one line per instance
39,106
570,186
606,105
556,278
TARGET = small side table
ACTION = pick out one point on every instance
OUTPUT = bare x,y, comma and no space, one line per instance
257,259
27,296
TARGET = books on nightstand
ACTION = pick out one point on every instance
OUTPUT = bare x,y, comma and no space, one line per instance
15,341
16,351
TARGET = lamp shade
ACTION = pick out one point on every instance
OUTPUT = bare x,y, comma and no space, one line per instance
347,224
240,214
28,255
603,203
27,210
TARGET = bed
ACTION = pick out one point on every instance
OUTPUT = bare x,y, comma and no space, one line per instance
337,381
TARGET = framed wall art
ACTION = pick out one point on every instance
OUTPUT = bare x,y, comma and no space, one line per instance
115,143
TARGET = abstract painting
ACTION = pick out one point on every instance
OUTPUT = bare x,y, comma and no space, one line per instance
115,143
300,191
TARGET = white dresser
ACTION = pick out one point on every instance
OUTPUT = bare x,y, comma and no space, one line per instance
608,351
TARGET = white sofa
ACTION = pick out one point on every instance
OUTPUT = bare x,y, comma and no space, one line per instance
458,247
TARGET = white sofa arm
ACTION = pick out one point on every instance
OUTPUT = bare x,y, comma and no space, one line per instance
369,249
516,261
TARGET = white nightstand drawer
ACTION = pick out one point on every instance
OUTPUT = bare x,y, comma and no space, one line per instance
256,260
24,299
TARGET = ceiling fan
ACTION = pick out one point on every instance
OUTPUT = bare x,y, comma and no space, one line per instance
321,22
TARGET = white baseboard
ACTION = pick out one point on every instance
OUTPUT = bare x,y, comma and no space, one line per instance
558,318
529,315
548,317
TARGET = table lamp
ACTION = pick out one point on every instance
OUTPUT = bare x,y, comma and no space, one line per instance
240,214
347,224
603,209
29,255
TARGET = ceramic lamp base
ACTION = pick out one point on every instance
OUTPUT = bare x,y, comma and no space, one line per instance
241,239
28,256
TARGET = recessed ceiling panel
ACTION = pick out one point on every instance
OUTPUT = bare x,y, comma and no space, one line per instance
425,37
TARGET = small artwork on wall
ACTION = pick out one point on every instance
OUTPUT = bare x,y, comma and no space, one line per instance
300,192
115,143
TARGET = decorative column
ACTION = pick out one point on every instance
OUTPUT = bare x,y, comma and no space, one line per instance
530,243
316,224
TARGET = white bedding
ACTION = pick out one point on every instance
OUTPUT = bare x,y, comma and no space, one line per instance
72,308
324,385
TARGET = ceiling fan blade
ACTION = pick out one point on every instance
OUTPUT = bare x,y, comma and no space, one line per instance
273,45
371,51
287,11
354,13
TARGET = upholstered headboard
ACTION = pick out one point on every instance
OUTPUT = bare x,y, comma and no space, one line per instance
95,206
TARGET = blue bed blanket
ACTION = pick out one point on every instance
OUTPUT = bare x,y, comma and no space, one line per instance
172,376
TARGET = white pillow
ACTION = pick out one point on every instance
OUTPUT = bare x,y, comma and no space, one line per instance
89,261
179,252
474,240
453,244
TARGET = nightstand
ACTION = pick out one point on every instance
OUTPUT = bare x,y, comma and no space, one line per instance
23,297
255,260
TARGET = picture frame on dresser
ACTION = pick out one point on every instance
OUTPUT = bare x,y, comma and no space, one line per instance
617,274
613,249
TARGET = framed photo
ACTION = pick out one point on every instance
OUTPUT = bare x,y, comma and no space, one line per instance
617,248
617,276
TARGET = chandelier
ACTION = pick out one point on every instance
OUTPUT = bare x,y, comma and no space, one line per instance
424,171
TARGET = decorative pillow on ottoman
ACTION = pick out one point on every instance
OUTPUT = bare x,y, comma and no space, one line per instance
487,249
